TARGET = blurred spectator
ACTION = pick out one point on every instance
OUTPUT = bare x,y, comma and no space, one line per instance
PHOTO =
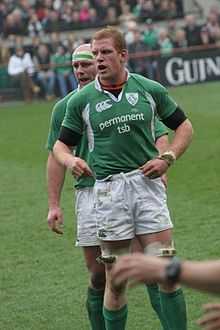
126,14
145,9
102,6
150,35
75,24
150,38
55,41
213,27
179,8
84,13
137,64
180,40
192,30
94,19
164,42
25,9
45,75
61,62
21,69
4,55
66,16
14,24
111,17
172,28
167,9
3,14
51,22
206,38
130,29
35,27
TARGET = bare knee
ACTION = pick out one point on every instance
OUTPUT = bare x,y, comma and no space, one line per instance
98,280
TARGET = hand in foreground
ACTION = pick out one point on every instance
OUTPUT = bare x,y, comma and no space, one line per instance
211,317
137,267
154,168
79,167
55,220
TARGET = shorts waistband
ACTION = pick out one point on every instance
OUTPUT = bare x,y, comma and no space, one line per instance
122,175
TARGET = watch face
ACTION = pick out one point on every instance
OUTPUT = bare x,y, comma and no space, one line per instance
169,158
173,270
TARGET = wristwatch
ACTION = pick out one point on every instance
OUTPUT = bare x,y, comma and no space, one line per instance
173,271
168,156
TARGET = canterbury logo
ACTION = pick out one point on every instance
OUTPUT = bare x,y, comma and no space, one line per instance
102,106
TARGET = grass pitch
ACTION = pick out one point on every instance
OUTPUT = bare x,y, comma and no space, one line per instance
43,279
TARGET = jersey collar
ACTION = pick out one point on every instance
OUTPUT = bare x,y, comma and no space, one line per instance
113,97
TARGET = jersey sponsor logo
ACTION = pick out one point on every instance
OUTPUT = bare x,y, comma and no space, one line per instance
124,120
104,105
123,129
132,98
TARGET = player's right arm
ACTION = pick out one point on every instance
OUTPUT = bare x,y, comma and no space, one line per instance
55,181
70,135
55,171
77,166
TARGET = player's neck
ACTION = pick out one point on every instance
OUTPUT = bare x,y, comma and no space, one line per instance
114,85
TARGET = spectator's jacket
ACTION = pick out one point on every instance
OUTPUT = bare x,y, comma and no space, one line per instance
18,65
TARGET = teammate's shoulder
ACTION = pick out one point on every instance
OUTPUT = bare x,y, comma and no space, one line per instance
89,88
62,102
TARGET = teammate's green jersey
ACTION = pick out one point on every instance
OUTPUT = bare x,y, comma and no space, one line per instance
120,130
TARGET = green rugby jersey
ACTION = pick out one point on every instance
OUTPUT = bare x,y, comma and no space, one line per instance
57,117
120,130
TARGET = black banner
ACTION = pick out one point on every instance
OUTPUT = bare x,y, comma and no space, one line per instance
189,68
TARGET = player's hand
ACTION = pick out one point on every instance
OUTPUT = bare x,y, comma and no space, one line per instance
55,220
138,267
211,317
79,167
154,168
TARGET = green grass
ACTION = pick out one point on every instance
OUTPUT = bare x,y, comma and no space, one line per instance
43,278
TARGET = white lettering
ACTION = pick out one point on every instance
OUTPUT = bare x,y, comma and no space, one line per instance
213,67
179,75
124,118
179,71
202,71
191,71
123,129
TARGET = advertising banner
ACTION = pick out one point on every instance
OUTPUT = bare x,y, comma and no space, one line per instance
189,68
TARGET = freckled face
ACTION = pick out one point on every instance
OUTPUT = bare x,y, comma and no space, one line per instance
109,61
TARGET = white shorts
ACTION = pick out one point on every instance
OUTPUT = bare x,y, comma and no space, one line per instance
130,204
86,218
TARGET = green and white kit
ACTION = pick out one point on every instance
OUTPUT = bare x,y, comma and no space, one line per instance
86,223
120,130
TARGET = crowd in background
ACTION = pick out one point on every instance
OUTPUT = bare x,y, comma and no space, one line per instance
50,58
36,17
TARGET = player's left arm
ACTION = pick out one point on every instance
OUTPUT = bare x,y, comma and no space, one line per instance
162,144
174,118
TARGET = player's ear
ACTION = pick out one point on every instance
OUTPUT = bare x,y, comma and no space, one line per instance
124,55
